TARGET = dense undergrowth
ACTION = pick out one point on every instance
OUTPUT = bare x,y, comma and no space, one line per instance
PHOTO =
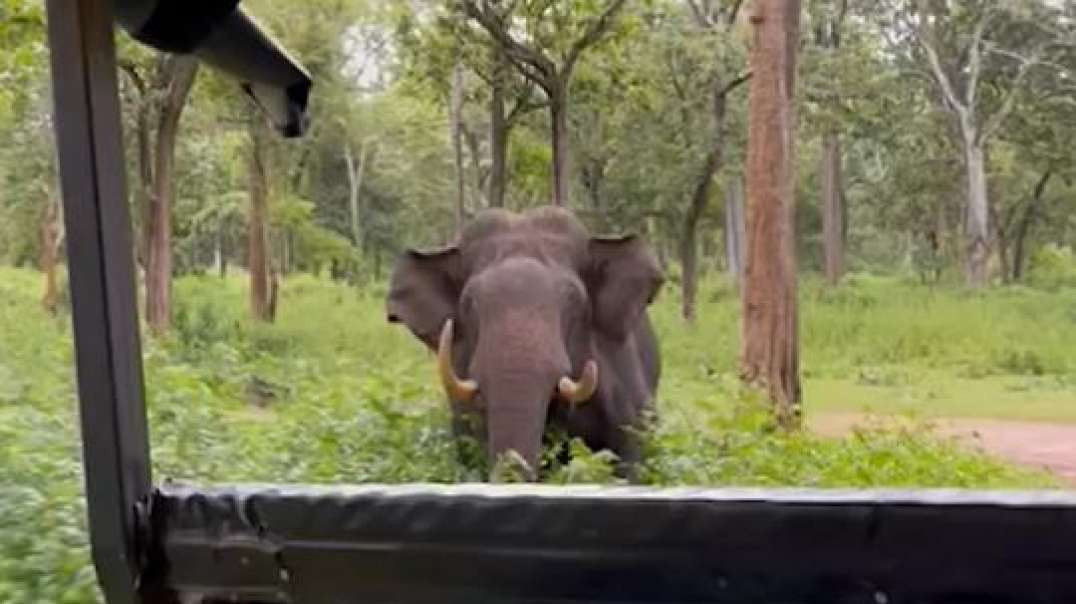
333,394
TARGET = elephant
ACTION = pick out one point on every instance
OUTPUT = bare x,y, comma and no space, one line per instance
537,324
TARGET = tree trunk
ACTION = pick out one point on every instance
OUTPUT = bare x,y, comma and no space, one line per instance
354,180
498,133
144,190
689,235
285,254
832,207
51,236
222,253
1019,254
734,229
977,225
474,149
593,181
1002,242
182,71
258,227
700,198
558,113
456,117
770,353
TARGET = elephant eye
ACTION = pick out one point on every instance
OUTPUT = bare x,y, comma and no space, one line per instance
467,307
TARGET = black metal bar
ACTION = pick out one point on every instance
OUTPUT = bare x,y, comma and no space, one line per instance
426,544
101,266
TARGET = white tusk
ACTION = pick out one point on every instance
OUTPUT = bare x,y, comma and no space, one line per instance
579,392
458,390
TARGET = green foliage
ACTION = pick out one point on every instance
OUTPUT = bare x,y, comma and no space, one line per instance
1052,267
332,394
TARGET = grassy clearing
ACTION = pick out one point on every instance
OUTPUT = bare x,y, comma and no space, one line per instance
333,394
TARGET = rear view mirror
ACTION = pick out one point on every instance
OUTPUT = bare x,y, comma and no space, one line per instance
221,34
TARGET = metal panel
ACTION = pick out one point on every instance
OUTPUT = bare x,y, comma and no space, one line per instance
559,544
108,353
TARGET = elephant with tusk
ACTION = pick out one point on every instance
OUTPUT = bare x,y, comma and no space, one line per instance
536,323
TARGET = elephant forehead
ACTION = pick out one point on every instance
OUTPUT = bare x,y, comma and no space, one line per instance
528,340
547,248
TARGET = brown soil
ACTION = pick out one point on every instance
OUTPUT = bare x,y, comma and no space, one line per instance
1036,444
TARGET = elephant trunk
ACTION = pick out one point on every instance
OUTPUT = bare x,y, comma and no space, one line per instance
519,372
516,420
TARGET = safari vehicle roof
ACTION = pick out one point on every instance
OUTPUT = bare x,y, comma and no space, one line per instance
168,543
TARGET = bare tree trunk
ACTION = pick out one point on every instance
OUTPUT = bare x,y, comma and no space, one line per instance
700,198
689,235
258,227
735,229
456,111
474,149
182,71
51,238
558,113
1001,240
770,354
832,207
355,176
498,133
222,253
977,225
1019,255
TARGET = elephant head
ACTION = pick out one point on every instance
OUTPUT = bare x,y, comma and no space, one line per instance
517,311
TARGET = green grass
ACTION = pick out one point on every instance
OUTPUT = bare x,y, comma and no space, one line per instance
349,398
936,394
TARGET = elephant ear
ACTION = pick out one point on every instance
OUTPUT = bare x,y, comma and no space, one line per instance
423,292
624,278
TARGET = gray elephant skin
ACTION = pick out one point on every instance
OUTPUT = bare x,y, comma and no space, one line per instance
537,324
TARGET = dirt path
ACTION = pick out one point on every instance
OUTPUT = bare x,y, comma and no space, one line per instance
1037,444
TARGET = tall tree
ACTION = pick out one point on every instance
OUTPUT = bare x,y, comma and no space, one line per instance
165,97
828,37
770,354
717,18
262,290
546,53
735,229
52,237
355,175
961,45
498,129
455,112
434,37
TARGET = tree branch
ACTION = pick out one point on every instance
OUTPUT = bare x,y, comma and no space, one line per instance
733,14
522,107
593,33
940,77
735,83
701,17
131,70
975,58
533,64
992,123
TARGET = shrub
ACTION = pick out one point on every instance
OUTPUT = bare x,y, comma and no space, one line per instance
1052,267
356,401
